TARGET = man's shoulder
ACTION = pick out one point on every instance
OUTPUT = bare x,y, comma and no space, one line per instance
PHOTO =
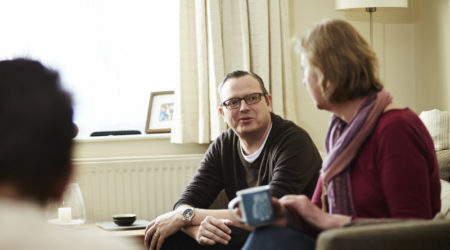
226,136
284,126
225,139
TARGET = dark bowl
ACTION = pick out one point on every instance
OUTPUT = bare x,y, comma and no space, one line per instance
124,219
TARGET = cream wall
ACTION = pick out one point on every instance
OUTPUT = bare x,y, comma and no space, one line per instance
412,45
432,55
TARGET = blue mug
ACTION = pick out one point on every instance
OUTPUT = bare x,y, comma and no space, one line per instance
255,206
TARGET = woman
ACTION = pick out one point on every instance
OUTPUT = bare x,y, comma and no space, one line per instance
380,158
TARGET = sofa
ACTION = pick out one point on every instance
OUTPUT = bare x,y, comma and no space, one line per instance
399,234
396,234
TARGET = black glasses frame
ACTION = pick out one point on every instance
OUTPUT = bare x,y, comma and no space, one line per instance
234,103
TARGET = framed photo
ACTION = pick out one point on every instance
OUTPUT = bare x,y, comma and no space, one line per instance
160,112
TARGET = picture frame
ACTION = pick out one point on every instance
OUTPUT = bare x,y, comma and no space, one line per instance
160,112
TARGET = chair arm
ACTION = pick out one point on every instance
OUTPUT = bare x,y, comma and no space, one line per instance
408,234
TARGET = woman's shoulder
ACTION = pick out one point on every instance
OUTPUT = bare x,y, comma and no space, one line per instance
398,115
395,122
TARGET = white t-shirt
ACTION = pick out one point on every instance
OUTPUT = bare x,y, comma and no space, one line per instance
252,157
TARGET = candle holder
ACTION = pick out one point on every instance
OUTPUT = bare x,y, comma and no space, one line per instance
71,210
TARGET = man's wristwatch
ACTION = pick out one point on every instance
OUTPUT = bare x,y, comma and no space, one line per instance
188,214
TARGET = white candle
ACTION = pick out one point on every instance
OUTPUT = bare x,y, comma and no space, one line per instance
64,214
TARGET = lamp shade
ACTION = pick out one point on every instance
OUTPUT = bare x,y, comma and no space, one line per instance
356,4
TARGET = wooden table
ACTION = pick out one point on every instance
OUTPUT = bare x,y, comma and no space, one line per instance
135,234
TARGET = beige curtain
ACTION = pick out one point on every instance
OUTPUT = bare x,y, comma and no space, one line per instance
219,36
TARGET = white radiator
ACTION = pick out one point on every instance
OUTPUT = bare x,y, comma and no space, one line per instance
146,186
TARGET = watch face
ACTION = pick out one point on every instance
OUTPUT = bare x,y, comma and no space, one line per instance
188,213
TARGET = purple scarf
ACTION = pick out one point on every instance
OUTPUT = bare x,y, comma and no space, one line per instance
342,144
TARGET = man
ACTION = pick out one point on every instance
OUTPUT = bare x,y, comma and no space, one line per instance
36,133
259,148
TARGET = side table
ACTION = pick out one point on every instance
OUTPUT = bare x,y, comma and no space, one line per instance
136,235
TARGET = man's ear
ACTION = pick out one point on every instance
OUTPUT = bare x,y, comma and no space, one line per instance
221,110
268,98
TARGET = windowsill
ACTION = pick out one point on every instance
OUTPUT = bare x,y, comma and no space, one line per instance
124,138
132,146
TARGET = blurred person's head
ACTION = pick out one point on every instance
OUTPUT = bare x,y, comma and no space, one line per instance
36,131
341,62
243,108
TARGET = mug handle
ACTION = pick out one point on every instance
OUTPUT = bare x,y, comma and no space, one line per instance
231,206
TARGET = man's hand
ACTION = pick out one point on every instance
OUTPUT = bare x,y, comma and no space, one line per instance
213,230
161,228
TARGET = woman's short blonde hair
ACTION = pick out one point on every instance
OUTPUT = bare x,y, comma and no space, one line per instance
348,63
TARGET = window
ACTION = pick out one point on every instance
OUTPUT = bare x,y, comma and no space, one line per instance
110,53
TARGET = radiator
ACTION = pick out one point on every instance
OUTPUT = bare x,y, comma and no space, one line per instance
145,186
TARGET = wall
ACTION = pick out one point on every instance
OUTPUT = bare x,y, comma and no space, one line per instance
412,45
413,48
432,55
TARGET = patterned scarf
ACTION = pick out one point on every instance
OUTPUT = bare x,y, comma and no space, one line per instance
342,144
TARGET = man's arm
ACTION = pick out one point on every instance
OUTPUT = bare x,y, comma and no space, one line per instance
207,181
208,226
214,227
201,213
200,193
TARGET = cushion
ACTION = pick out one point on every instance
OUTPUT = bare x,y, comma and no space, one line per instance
445,198
443,158
438,124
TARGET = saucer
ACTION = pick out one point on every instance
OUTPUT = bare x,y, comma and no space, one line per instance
111,226
71,223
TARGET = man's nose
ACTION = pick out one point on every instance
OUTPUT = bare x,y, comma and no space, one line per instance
244,105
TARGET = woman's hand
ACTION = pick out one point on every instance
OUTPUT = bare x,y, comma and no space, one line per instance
281,214
286,216
309,212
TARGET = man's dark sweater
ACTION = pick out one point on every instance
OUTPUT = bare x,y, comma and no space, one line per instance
289,162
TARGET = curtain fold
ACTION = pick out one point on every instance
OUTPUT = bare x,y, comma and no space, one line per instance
217,37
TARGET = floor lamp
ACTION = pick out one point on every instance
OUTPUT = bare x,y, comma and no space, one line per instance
370,6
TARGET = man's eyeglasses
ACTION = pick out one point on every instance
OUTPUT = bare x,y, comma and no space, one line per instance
250,99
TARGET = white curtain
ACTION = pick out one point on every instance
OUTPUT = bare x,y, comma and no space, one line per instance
217,37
